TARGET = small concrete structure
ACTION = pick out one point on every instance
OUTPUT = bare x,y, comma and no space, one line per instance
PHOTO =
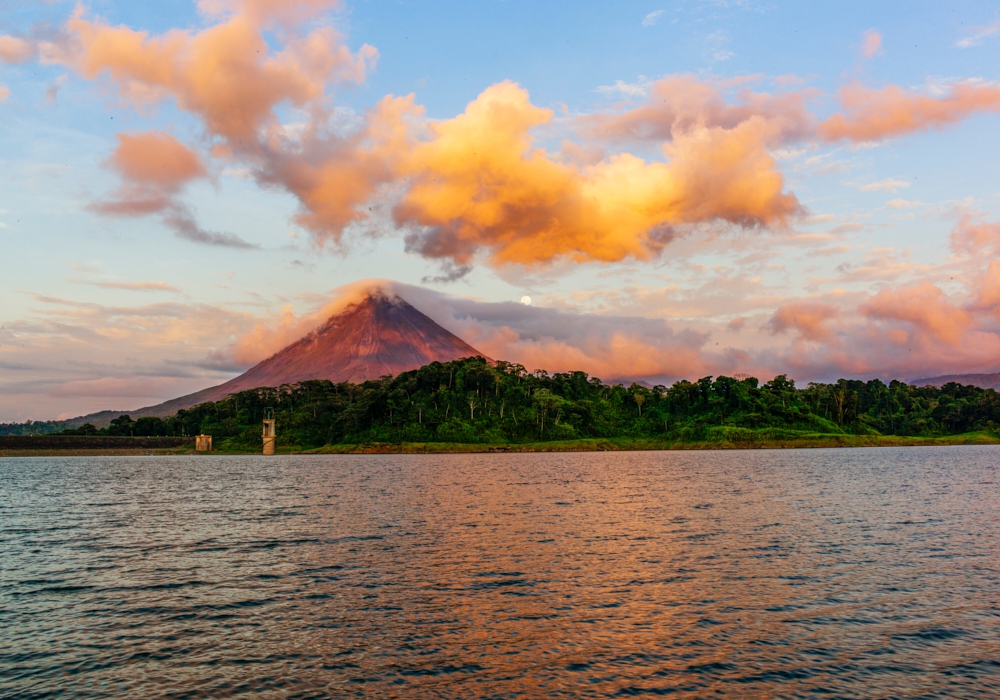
269,436
203,443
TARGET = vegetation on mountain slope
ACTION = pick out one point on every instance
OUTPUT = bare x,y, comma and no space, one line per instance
470,401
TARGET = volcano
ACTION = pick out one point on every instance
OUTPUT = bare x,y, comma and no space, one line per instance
378,335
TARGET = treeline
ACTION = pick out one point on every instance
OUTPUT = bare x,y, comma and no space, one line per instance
471,401
33,427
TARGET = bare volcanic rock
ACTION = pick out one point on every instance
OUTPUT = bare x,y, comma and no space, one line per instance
377,336
381,334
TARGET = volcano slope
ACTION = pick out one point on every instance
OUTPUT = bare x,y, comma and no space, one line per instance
380,334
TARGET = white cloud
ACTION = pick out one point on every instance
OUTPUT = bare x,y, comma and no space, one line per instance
900,203
887,185
979,35
652,18
137,286
636,89
241,173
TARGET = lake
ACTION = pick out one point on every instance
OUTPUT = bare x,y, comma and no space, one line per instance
864,573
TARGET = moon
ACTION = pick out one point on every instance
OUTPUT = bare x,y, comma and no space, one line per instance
526,300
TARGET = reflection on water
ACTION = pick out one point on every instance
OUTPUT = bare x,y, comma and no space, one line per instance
836,573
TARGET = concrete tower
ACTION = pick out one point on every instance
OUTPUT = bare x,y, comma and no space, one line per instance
269,432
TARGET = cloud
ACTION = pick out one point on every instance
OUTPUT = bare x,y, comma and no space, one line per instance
141,354
478,184
924,306
808,318
475,187
887,185
156,158
975,238
226,73
679,104
15,50
979,35
878,337
900,203
52,92
271,334
4,93
449,273
652,18
154,168
871,44
180,218
622,88
873,115
269,12
112,387
137,286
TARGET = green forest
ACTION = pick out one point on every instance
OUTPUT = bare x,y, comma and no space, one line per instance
473,402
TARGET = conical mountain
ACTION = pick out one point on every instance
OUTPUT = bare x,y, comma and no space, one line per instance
378,335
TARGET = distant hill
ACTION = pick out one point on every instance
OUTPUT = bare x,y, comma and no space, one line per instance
983,381
381,334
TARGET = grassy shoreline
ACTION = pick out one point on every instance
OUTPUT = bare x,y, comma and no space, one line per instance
813,441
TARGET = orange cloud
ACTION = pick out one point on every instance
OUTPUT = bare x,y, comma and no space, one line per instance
156,158
4,93
154,166
479,184
924,306
872,115
332,176
808,318
229,77
474,186
15,50
226,74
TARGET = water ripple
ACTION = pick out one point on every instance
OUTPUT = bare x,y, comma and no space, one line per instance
779,574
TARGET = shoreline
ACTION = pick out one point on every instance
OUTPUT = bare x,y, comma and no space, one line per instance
591,445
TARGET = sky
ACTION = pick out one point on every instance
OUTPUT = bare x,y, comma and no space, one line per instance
682,189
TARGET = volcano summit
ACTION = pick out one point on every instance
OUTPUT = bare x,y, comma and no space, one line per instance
379,334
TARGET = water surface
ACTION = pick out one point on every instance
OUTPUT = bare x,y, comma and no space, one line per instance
867,573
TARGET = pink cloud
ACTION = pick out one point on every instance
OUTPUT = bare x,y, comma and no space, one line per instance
807,318
924,306
873,115
871,44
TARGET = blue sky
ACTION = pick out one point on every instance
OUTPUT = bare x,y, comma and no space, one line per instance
106,311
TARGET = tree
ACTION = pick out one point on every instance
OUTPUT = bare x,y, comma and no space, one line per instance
640,399
547,401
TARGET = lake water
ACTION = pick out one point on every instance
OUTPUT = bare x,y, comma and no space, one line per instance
761,574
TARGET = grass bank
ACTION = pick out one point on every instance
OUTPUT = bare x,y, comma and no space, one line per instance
729,440
805,440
